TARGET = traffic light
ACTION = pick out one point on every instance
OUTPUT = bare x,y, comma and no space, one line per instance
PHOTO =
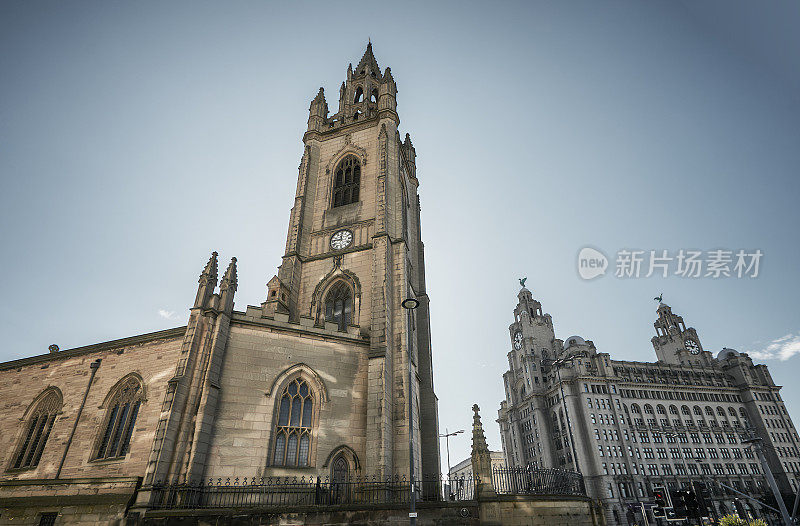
704,502
660,496
679,503
691,503
661,499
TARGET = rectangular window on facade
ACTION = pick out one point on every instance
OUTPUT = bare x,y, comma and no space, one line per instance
47,519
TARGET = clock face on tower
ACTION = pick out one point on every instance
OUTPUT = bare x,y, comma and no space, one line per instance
518,340
341,239
691,346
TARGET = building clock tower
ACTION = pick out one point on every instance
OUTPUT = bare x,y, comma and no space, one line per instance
354,253
674,342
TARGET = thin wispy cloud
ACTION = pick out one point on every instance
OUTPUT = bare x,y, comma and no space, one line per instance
167,314
781,349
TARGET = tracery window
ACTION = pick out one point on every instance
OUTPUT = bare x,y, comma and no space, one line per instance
346,182
37,431
123,408
293,431
339,305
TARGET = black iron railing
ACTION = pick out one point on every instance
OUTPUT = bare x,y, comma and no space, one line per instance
291,492
529,481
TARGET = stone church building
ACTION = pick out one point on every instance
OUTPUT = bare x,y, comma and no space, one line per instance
312,382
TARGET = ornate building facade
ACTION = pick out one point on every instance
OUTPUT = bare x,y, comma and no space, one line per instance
628,426
312,382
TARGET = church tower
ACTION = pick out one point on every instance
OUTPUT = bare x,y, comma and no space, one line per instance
354,253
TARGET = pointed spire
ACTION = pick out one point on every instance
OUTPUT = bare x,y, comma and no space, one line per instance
478,438
368,65
229,279
210,271
228,287
207,282
481,458
318,112
387,76
319,106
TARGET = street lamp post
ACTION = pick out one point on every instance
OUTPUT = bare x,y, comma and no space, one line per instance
446,437
410,304
757,445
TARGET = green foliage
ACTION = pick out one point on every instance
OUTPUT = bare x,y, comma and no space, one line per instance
733,520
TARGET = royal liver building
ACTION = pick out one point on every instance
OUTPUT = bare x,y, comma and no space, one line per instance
636,425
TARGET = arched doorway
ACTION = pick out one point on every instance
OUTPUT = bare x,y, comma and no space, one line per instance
340,480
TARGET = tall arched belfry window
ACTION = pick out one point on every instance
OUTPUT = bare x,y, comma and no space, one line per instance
123,408
339,305
295,420
37,430
346,181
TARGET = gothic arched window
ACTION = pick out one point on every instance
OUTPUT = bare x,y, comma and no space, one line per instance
293,431
339,305
347,179
123,408
37,431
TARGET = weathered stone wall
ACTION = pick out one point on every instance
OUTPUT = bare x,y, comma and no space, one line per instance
260,358
87,515
151,356
503,510
439,514
78,501
509,510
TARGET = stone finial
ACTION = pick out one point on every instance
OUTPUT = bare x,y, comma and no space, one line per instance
229,280
388,78
318,112
368,64
210,271
318,103
207,282
228,287
481,458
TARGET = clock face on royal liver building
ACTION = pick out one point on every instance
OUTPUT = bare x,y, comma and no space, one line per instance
691,346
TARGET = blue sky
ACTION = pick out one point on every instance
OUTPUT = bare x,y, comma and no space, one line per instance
137,137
